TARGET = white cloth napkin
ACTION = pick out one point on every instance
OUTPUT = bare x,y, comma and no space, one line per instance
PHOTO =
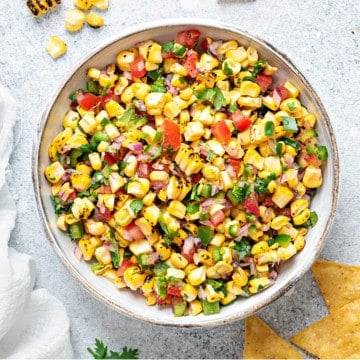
33,323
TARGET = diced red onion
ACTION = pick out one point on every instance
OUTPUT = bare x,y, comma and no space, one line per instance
230,170
126,235
115,145
119,139
206,222
233,153
140,105
243,231
142,157
201,293
188,245
252,266
127,74
208,202
77,252
276,96
196,259
212,48
109,246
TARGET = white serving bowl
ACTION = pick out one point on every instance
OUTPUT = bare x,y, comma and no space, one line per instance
125,301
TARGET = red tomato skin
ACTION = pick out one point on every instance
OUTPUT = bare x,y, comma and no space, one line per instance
88,101
112,158
190,63
124,265
264,81
282,92
251,205
172,135
241,121
188,38
217,218
173,290
143,169
312,160
135,231
235,164
189,255
104,216
137,67
221,131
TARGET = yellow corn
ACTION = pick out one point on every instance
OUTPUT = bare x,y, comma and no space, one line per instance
111,275
152,213
194,130
54,172
257,284
94,20
287,252
82,208
195,307
138,188
138,247
240,277
56,47
197,276
87,249
94,227
80,182
178,261
282,196
61,222
163,250
134,278
103,255
294,92
74,20
175,273
312,177
212,295
279,221
189,292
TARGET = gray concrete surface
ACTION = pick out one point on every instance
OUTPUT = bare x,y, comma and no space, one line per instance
321,38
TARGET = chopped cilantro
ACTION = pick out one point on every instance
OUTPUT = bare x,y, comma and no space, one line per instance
101,352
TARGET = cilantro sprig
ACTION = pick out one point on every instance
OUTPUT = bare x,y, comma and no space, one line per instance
101,352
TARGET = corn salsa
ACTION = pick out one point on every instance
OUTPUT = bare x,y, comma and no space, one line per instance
185,172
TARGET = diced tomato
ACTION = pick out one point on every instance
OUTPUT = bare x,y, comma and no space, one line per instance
251,205
188,38
173,290
268,202
104,215
196,178
280,93
241,121
165,300
88,101
189,255
172,136
283,211
137,67
312,160
235,164
112,158
104,189
124,265
190,63
110,96
221,131
72,196
205,43
135,231
143,169
217,218
264,81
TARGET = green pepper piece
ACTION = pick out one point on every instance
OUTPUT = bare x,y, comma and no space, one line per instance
279,147
205,234
76,231
216,254
180,308
160,268
291,143
178,50
204,216
322,153
210,308
206,190
290,124
269,129
283,239
233,230
92,87
99,136
75,154
193,209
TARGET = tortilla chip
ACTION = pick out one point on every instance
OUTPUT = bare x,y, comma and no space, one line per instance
261,342
339,283
335,336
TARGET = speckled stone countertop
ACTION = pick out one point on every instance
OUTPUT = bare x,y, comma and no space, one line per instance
320,37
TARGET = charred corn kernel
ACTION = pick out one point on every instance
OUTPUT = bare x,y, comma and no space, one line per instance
138,188
302,217
71,119
282,196
195,307
210,172
175,273
142,246
148,285
93,73
252,157
211,273
152,213
111,275
74,20
288,229
240,277
249,88
96,242
177,209
52,152
124,216
312,177
87,249
197,276
231,67
194,130
217,240
285,253
150,299
233,288
181,83
134,278
95,161
114,109
70,219
310,120
94,20
124,59
159,175
54,172
178,261
101,4
226,180
223,268
260,247
279,221
227,46
82,208
83,4
88,123
189,292
228,298
94,227
61,223
257,284
212,295
108,200
293,91
76,141
267,257
103,255
56,47
80,182
62,139
270,103
270,70
252,55
266,214
163,250
299,242
207,62
298,206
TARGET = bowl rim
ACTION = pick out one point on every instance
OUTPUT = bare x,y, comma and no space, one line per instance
187,22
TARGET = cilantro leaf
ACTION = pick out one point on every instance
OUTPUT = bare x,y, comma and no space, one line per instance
243,247
101,352
214,96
